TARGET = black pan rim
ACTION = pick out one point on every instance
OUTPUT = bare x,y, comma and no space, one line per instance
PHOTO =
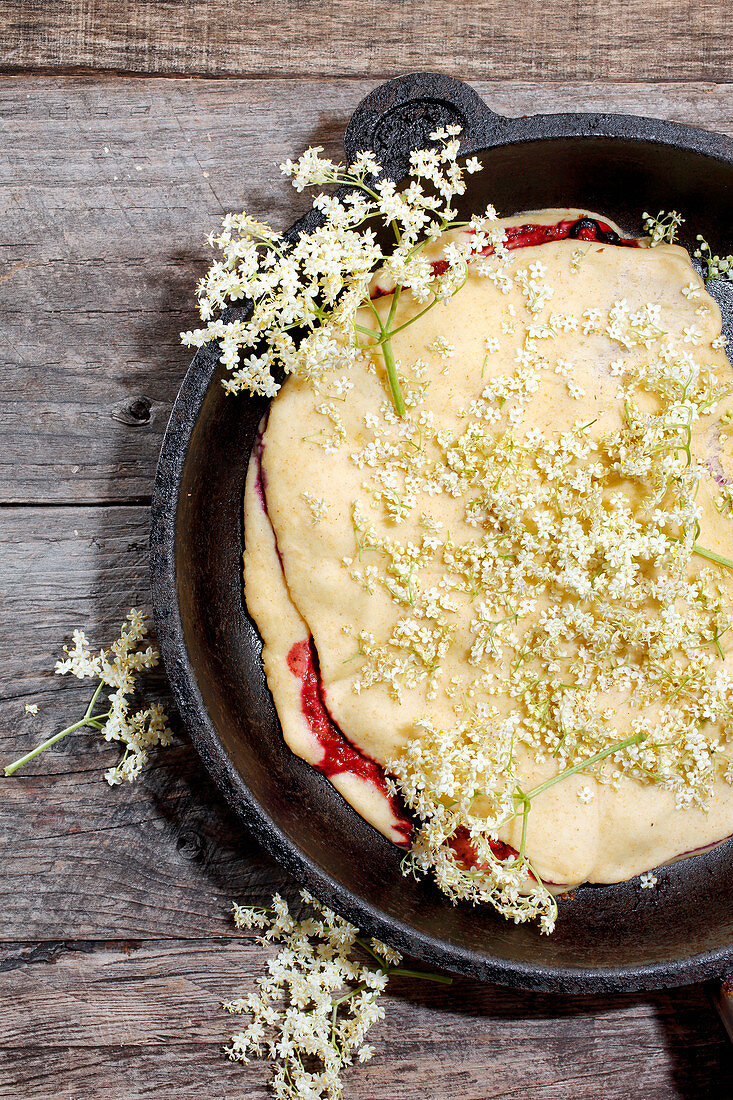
493,130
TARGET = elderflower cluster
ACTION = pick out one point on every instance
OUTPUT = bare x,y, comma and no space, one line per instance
314,1006
461,783
316,505
119,668
662,228
305,290
718,267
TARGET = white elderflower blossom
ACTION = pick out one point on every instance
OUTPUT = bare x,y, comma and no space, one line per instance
316,506
317,1001
717,267
316,282
118,668
439,777
648,880
662,228
442,347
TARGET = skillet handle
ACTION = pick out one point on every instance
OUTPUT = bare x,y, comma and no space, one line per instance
400,115
724,1004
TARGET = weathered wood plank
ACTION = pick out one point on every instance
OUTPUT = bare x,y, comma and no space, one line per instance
158,857
108,188
161,857
610,40
144,1019
61,568
95,286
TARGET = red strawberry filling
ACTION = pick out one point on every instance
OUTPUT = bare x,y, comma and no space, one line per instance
339,755
465,852
530,233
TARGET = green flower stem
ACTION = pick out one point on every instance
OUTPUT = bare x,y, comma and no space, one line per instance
87,720
384,342
370,951
401,972
526,807
347,996
406,324
393,378
583,764
392,310
423,311
385,336
710,555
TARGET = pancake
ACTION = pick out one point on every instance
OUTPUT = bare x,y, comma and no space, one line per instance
369,541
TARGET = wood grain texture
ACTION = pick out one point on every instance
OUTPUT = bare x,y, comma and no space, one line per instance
594,39
159,857
144,1019
108,188
115,941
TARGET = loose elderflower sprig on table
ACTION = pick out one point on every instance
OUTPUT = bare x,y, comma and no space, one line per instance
306,293
117,668
318,1000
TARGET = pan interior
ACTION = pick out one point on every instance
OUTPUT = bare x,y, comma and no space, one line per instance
617,936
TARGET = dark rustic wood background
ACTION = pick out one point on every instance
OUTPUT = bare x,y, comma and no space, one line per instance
128,128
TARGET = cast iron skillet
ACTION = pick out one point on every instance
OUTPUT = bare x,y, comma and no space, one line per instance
607,938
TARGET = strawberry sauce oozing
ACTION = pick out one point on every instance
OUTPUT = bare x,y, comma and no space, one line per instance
531,233
579,229
465,852
339,755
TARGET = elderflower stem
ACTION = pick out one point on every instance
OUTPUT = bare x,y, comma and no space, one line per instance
402,972
370,951
386,336
583,764
406,324
347,996
87,720
526,807
388,354
710,555
392,376
118,667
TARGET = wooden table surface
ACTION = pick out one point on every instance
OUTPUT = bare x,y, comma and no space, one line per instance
115,942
